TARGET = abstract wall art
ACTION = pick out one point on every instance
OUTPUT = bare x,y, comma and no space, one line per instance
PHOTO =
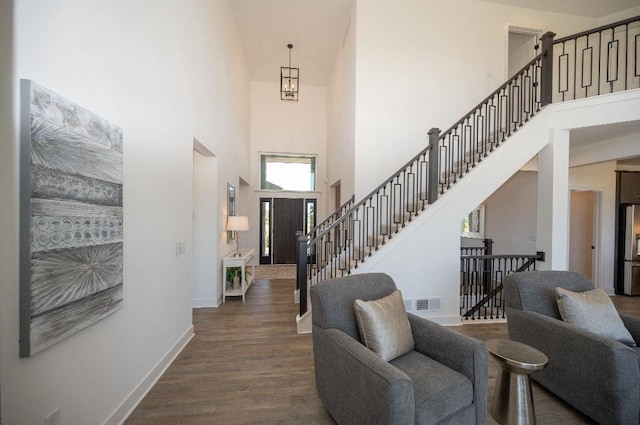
71,213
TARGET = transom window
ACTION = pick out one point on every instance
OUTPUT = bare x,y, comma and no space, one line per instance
288,172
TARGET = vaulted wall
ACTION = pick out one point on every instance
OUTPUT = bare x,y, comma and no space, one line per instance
166,73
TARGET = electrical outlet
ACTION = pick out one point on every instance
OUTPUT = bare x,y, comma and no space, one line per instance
181,247
53,418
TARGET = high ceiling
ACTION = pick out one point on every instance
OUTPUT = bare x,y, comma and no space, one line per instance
590,8
317,27
314,27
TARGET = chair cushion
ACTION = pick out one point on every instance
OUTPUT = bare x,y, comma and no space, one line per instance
384,326
593,311
439,390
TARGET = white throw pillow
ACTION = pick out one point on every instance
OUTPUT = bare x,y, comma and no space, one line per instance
384,326
593,311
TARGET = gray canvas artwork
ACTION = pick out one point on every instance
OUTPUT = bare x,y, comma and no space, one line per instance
71,259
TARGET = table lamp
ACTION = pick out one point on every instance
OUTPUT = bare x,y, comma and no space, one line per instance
237,223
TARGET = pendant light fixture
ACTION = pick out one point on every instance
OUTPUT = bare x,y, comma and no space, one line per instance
289,80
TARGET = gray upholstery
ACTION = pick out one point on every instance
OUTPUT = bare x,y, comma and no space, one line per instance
443,381
598,376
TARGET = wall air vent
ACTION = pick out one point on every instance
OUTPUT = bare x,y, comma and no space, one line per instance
423,304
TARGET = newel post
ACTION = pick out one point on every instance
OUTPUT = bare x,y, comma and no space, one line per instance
488,246
487,268
546,77
301,271
434,166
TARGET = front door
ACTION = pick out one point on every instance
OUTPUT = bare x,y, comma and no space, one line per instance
280,219
288,215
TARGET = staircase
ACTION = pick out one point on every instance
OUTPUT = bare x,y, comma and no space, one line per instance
601,61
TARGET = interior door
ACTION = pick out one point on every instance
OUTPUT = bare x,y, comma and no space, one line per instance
581,232
288,218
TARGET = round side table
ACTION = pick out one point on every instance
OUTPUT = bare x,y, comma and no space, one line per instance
512,398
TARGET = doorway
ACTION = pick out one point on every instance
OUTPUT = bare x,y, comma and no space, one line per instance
582,234
337,195
523,46
205,289
280,219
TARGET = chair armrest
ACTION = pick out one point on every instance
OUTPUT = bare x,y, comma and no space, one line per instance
453,349
632,323
461,353
580,361
356,385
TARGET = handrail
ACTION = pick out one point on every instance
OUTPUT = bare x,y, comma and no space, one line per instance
596,61
333,214
343,243
596,30
370,195
494,93
442,136
501,257
481,281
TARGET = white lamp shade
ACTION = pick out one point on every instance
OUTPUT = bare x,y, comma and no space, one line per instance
238,223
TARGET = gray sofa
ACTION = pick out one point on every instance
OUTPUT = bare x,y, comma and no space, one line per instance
444,381
596,375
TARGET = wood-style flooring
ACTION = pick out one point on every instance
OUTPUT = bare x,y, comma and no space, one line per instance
247,365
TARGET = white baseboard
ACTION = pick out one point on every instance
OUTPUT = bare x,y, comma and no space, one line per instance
304,323
442,320
205,302
123,411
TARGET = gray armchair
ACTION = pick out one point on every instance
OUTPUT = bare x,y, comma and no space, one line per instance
596,375
443,381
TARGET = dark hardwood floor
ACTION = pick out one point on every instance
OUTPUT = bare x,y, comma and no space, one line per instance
247,365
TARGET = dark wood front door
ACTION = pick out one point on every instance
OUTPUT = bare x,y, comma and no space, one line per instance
288,217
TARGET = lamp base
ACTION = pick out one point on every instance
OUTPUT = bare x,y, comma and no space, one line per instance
237,254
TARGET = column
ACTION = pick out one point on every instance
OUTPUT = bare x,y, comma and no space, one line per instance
553,201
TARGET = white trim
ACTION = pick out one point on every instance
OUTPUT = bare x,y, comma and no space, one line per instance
442,320
122,412
596,268
205,302
304,323
517,29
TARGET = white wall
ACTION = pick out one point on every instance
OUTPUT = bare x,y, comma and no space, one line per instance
511,215
511,210
286,127
205,291
165,73
341,114
618,148
629,13
423,64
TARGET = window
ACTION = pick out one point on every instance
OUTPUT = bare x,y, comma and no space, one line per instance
288,172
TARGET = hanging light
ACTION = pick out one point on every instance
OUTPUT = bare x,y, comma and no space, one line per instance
289,80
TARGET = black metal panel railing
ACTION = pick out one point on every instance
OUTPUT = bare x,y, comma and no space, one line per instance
481,295
369,224
599,61
346,241
331,218
485,249
489,124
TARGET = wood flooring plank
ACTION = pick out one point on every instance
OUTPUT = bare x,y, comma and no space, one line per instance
247,366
